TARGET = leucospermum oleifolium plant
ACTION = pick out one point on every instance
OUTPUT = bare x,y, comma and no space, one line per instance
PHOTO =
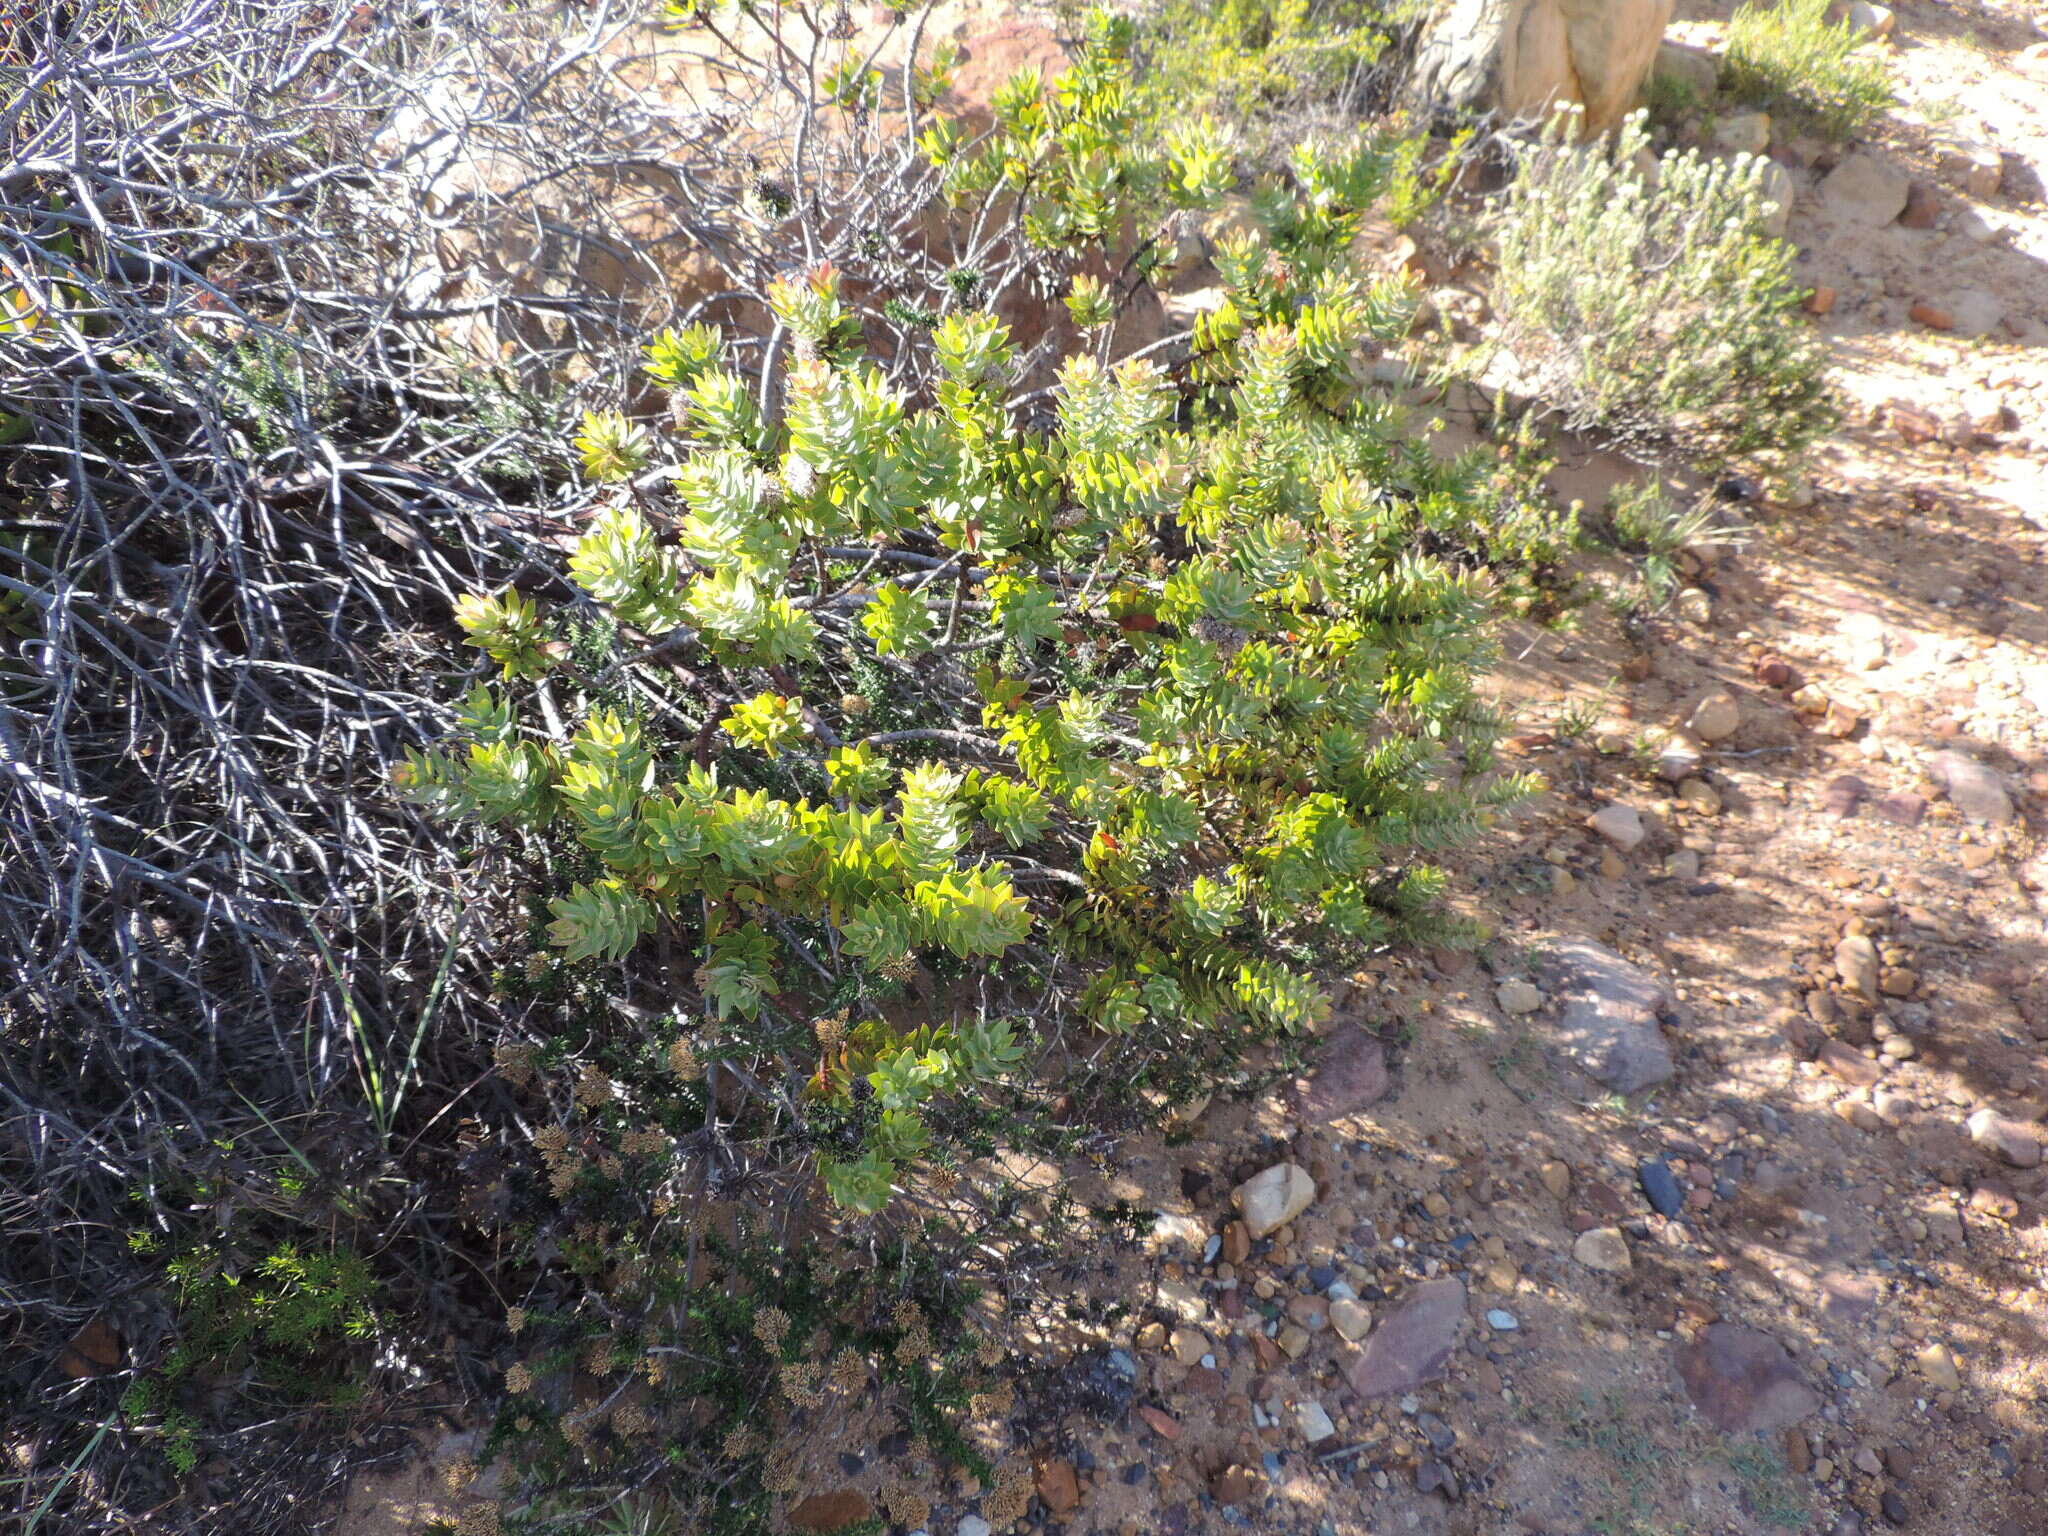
1123,716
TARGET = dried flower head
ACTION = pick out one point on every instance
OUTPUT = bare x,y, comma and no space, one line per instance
514,1062
594,1087
740,1442
908,1314
771,1326
648,1141
907,1506
519,1380
682,1060
800,1384
1006,1502
655,1369
849,1372
630,1419
831,1031
989,1352
562,1176
458,1474
515,1320
944,1181
480,1520
995,1403
779,1472
552,1140
899,967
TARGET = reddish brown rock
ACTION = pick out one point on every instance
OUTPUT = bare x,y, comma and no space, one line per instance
1923,206
1905,808
1821,300
1849,1065
826,1512
1743,1381
1161,1423
1058,1486
1935,318
1352,1076
1413,1342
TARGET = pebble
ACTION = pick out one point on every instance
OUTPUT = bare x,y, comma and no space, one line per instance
1351,1319
974,1525
1269,1200
1189,1345
1517,996
1604,1249
1744,133
1973,788
1660,1187
2011,1139
1621,825
1856,964
1501,1320
1715,717
1556,1177
1938,1366
1313,1420
1876,20
1700,797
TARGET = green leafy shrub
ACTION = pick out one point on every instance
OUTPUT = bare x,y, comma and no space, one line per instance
275,1316
1659,313
1791,58
1191,686
1263,62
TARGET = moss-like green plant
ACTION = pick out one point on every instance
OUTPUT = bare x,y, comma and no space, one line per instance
1791,58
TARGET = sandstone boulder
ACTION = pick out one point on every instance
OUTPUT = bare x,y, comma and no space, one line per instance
1523,58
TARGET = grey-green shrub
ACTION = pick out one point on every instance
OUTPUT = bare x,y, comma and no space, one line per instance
1792,59
1656,309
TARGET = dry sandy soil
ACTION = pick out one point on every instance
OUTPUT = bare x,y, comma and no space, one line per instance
1844,1326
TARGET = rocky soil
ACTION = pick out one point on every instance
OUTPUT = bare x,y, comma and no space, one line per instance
1708,1198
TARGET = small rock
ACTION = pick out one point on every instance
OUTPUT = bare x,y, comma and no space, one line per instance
1715,717
1293,1341
1352,1075
1556,1177
1780,192
973,1525
1973,788
1975,312
1608,1014
1268,1201
1351,1319
1744,133
1621,825
1694,68
1162,1423
1995,1201
1856,964
1849,1065
1865,189
1893,1506
1938,1366
1189,1345
1660,1187
1500,1320
1700,797
1678,758
1604,1249
1313,1420
1903,808
2011,1139
1923,207
1743,1380
1979,167
1843,795
1872,20
1821,300
1517,996
1059,1487
1695,607
823,1513
1935,318
1413,1342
